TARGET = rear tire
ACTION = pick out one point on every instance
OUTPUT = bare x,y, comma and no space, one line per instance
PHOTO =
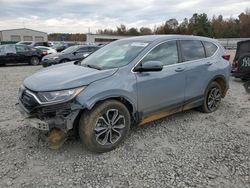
212,99
104,127
244,79
46,64
64,60
34,60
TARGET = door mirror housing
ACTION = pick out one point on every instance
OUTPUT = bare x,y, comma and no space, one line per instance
86,55
149,66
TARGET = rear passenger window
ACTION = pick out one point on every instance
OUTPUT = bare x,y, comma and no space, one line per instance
210,48
165,53
192,50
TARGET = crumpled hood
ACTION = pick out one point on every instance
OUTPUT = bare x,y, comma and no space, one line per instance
64,76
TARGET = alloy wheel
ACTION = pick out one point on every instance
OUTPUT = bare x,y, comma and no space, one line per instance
34,61
214,98
109,127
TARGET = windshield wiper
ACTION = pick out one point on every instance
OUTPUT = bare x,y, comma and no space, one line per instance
92,66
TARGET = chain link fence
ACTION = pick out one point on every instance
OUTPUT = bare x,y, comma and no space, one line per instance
231,43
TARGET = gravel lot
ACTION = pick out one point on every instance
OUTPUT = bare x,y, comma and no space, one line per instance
189,149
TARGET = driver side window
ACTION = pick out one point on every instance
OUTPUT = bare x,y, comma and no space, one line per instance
82,50
166,53
21,49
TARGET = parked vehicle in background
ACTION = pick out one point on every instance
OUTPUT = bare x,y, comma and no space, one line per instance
51,44
60,47
133,80
247,86
241,62
46,50
25,43
16,53
34,44
73,53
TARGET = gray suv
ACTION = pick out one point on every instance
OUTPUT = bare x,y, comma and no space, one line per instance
131,81
73,53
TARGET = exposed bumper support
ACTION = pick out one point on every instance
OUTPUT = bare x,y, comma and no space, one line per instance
62,122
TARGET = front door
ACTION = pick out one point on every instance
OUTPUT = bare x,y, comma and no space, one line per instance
161,91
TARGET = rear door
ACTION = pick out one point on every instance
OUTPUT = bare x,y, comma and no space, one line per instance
163,90
23,54
80,53
198,65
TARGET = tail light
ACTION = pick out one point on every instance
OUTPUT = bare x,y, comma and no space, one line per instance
235,64
226,57
45,53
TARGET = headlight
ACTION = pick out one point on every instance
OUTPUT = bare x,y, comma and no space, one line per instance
58,96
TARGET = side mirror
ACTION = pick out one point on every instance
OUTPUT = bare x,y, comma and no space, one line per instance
86,55
149,66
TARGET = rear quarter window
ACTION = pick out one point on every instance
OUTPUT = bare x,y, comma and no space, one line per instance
210,48
192,50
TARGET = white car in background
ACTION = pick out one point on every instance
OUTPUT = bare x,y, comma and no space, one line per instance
46,50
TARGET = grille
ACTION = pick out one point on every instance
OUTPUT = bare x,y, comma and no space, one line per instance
59,108
28,101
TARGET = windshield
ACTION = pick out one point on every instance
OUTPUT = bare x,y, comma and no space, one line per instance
69,49
25,43
115,54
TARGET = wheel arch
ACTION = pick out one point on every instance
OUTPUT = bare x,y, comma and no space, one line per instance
130,105
221,80
124,100
64,59
37,56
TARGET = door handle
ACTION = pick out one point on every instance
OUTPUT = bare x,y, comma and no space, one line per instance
179,69
209,63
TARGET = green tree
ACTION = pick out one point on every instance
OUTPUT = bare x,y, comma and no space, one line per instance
244,24
145,31
133,32
200,25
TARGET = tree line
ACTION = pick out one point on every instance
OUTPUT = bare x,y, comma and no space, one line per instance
198,24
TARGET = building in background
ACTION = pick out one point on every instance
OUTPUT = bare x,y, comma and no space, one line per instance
104,39
22,34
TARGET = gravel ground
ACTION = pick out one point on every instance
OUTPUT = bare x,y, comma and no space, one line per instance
189,149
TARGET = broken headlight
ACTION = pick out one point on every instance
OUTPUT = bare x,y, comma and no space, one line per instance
58,96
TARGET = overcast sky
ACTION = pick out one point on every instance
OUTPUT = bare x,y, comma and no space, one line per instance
78,15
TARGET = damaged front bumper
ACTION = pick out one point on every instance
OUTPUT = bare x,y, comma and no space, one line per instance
45,118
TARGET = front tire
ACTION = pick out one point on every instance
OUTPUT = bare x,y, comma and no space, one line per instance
64,61
34,60
212,99
104,127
